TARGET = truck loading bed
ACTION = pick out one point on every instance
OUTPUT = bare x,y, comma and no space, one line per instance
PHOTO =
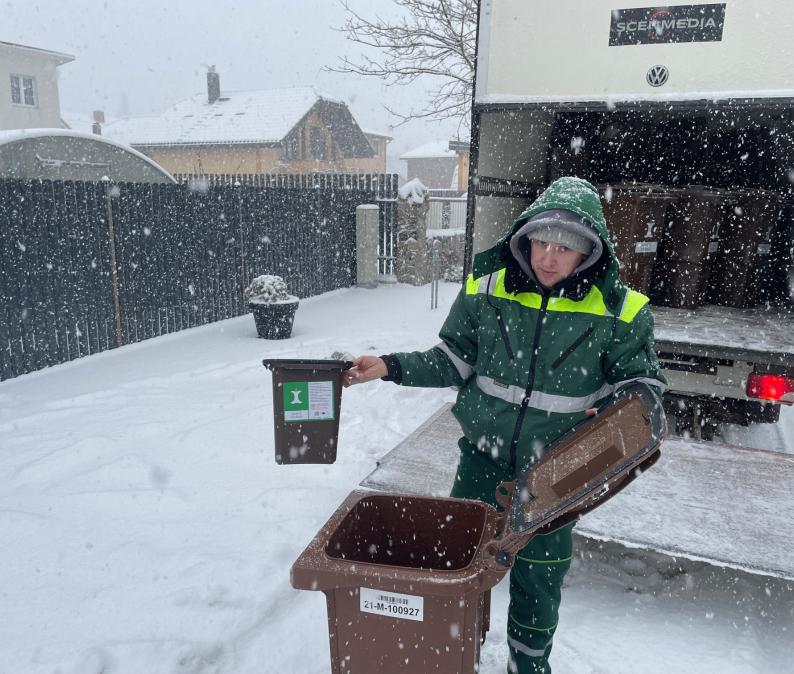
724,366
709,502
763,336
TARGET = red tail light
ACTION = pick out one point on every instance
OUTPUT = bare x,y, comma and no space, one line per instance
771,387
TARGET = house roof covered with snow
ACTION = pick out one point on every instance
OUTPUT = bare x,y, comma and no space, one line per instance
377,134
260,116
77,122
434,150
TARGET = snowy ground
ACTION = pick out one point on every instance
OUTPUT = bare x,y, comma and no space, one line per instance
147,528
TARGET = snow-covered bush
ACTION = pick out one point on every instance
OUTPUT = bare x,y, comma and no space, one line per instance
413,192
268,289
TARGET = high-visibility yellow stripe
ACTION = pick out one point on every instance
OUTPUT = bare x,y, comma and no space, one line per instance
592,303
545,561
631,306
531,300
534,629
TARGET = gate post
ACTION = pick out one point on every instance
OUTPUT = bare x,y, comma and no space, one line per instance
114,276
412,263
367,217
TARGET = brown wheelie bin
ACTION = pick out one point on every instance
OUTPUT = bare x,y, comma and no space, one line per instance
635,215
688,241
407,579
745,247
307,400
711,272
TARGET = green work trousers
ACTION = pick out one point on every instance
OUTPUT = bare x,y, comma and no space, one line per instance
536,577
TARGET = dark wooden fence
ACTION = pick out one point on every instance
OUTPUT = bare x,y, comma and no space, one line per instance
183,254
382,187
382,184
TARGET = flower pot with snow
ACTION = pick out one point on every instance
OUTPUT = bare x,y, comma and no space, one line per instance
272,306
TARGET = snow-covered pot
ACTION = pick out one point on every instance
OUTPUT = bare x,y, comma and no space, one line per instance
272,306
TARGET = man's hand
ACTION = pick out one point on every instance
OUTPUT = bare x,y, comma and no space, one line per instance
591,411
365,368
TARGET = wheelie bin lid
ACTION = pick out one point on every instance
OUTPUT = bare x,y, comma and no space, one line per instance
583,467
306,364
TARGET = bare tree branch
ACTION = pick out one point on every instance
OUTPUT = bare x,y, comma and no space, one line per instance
432,39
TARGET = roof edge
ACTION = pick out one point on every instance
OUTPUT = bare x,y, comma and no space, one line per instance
62,57
192,143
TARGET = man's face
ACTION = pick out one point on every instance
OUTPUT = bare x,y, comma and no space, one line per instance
552,262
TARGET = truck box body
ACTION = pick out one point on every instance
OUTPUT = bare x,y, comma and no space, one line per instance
677,100
599,50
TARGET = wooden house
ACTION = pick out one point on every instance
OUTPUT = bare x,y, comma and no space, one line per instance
291,130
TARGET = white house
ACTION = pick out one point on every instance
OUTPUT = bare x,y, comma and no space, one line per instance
29,87
434,164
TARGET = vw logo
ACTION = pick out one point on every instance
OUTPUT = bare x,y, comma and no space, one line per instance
657,76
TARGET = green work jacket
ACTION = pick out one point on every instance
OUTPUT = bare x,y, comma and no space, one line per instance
530,361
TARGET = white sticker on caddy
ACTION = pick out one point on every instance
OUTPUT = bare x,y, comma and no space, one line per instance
321,400
645,246
392,604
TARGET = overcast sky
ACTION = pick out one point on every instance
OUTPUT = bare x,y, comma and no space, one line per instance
140,56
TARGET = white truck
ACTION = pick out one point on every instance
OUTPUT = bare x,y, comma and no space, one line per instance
684,116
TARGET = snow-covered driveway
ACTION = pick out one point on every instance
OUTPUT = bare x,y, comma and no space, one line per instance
146,527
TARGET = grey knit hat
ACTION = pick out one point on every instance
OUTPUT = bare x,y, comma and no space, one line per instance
558,226
552,233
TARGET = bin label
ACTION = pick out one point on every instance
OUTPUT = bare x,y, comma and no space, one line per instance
392,604
645,247
308,400
714,246
764,248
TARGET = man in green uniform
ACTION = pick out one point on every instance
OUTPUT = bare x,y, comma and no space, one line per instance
540,335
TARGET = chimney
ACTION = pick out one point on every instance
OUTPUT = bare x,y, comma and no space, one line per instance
99,120
213,85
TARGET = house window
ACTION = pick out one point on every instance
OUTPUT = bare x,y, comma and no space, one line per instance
319,150
290,148
23,90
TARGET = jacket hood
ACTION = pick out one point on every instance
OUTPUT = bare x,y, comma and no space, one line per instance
567,193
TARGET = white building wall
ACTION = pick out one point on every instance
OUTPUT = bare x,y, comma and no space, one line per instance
46,113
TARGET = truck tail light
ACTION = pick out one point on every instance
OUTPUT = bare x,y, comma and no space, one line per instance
771,387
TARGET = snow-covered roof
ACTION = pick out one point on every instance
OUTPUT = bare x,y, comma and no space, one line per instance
377,134
261,116
77,121
436,149
16,135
